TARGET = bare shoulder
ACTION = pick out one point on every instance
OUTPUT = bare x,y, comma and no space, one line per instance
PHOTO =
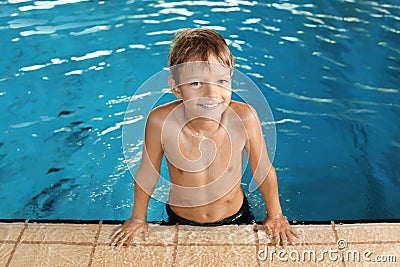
246,112
158,115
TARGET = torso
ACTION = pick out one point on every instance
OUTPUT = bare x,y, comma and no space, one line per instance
205,173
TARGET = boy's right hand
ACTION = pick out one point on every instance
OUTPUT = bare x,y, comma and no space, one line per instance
126,232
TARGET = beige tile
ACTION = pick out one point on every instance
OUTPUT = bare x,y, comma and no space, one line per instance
60,232
229,255
159,235
227,234
303,255
376,255
197,246
5,252
133,256
369,232
10,231
51,255
307,234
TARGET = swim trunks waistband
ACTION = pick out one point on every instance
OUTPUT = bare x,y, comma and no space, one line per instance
243,216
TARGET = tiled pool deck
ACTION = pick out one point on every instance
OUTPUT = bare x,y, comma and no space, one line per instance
61,244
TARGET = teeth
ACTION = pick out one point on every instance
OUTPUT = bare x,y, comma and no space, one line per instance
209,105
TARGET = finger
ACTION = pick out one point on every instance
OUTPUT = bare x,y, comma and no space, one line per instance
284,239
291,237
115,241
122,241
115,232
268,231
119,235
146,233
131,240
276,237
116,238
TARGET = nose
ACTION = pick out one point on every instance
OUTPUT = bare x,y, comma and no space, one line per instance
212,90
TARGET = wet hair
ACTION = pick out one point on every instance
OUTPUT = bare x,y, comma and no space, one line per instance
197,45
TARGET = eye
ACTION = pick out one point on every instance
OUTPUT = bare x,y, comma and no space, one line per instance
195,84
224,83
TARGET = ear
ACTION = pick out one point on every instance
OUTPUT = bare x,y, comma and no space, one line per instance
174,88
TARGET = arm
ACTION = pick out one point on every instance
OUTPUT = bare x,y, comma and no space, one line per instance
264,174
269,191
146,178
148,173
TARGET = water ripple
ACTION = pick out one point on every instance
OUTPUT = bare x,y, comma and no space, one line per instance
299,97
329,68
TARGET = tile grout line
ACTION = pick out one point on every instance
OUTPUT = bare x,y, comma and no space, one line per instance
17,243
7,242
175,252
337,239
255,232
96,239
72,243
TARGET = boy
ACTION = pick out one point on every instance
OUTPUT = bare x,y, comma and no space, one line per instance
203,136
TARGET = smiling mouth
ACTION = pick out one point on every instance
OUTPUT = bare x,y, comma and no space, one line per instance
209,106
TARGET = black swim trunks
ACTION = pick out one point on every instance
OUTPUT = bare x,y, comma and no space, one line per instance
243,216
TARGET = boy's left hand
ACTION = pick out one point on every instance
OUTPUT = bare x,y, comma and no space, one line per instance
280,231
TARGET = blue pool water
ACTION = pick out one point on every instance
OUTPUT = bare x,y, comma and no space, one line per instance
329,69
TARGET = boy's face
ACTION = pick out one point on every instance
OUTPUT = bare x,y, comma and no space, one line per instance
204,86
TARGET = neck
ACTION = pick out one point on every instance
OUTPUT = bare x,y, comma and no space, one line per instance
202,127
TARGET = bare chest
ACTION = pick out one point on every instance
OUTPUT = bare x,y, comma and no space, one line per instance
196,155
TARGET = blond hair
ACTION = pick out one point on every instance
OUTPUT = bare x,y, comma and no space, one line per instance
197,45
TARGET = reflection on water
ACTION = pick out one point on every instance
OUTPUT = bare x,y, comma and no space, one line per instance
329,69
